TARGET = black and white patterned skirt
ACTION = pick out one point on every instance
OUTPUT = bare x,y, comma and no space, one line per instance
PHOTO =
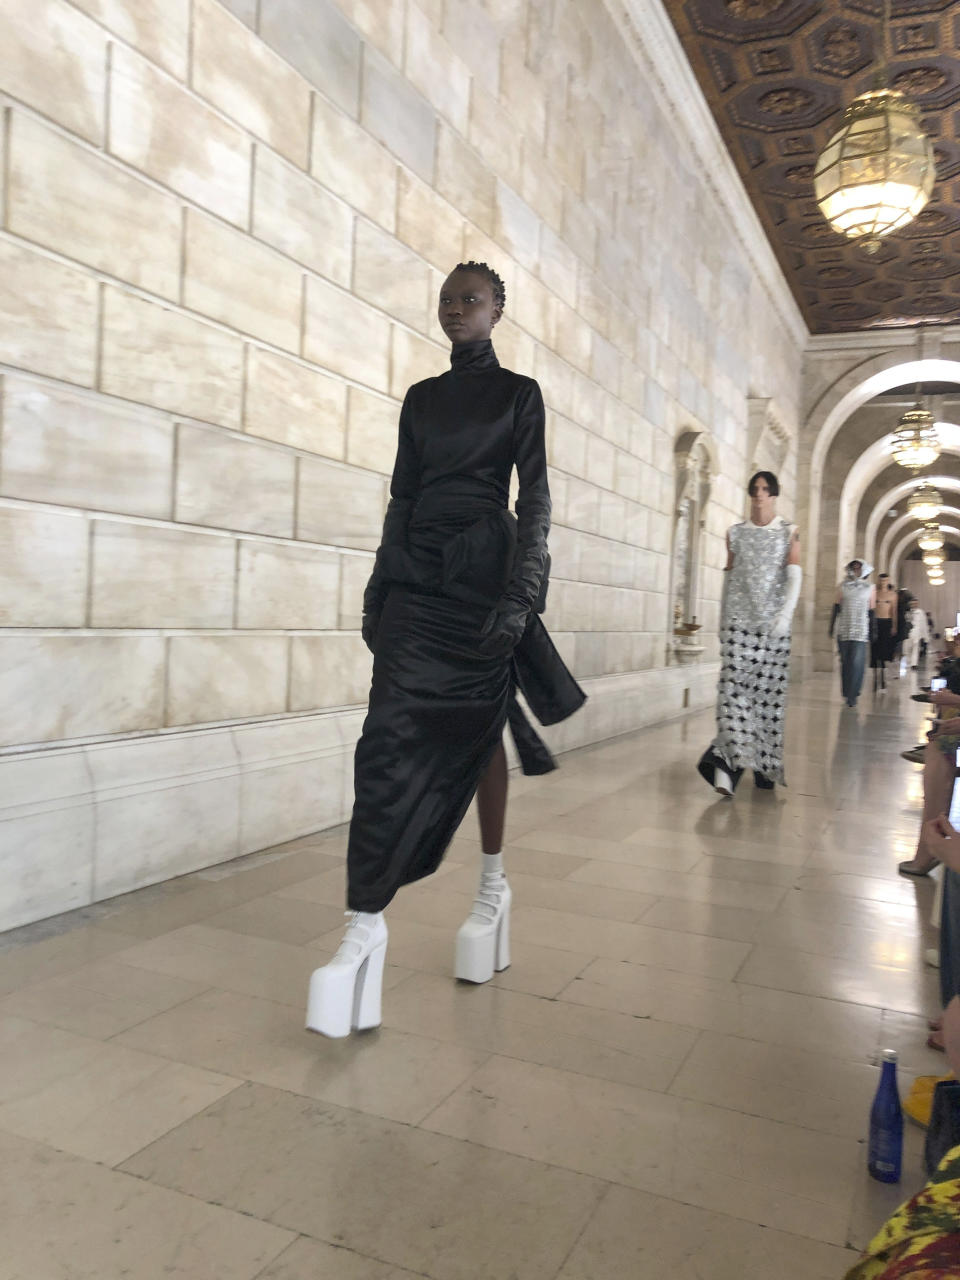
751,698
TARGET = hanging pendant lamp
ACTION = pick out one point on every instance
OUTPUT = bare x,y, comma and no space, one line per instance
925,503
931,539
877,172
935,558
916,441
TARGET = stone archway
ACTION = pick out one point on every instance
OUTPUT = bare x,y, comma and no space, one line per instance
842,375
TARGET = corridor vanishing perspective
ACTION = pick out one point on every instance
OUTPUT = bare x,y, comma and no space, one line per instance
672,1079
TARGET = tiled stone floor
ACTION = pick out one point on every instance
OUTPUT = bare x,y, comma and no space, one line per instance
673,1079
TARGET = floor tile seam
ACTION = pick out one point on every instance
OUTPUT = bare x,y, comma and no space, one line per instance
664,1195
605,1192
792,1124
639,1088
277,1257
530,1062
159,1013
342,1248
115,1166
857,1004
59,971
433,1107
49,1026
686,1058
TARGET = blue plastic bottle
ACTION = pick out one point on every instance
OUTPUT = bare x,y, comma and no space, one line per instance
886,1124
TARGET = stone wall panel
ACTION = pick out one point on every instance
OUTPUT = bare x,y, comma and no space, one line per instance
149,576
236,72
285,586
74,200
48,315
292,212
246,286
293,403
80,450
160,357
230,482
159,29
168,133
54,59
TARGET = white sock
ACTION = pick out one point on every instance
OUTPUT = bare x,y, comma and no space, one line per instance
492,864
369,919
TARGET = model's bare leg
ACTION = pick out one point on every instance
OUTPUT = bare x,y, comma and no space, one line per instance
492,803
938,779
483,943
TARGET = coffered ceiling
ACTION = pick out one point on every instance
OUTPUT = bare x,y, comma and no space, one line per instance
778,75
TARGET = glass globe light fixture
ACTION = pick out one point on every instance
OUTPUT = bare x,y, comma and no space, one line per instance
933,557
936,582
925,503
931,539
916,441
877,172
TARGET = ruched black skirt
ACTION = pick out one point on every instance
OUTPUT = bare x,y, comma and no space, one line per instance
436,714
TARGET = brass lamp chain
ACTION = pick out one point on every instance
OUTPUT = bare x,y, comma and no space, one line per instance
884,70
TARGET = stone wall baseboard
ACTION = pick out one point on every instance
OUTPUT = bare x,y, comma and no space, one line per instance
83,823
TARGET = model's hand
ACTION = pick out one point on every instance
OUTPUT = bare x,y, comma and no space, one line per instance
369,626
780,626
502,630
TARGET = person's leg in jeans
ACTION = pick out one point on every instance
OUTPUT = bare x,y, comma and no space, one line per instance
847,648
842,650
858,664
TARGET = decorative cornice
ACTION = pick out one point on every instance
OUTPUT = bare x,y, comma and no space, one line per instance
870,341
650,36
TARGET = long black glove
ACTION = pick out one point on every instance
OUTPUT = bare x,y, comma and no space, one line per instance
505,624
833,618
404,487
873,626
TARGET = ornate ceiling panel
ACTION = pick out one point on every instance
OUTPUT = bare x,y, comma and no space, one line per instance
778,75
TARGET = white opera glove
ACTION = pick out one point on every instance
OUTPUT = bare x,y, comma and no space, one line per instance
781,624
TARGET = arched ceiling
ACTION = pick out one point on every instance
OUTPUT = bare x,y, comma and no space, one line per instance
948,485
904,547
947,519
777,75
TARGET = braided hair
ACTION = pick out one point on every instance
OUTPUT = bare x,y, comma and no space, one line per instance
496,284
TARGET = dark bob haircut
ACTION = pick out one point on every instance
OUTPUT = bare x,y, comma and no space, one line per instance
773,484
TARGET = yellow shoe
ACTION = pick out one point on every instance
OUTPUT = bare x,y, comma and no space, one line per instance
919,1101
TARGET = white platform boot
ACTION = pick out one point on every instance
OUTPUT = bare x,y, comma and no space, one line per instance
722,783
483,940
345,994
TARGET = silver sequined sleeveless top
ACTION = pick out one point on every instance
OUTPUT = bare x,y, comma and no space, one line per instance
854,620
756,585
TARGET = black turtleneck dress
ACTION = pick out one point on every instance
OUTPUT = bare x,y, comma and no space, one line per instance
452,557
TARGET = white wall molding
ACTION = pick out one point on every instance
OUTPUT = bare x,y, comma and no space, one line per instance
83,823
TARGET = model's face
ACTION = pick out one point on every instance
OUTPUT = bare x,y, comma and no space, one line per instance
856,568
467,311
762,501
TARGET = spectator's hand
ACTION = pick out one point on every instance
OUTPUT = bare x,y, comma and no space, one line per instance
944,698
942,841
945,726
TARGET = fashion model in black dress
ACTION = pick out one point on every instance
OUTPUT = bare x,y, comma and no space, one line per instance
450,614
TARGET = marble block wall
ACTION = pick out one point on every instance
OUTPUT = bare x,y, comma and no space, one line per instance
224,228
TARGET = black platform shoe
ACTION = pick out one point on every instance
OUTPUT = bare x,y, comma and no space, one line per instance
762,782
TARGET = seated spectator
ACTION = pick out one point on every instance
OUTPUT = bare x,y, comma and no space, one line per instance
939,774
